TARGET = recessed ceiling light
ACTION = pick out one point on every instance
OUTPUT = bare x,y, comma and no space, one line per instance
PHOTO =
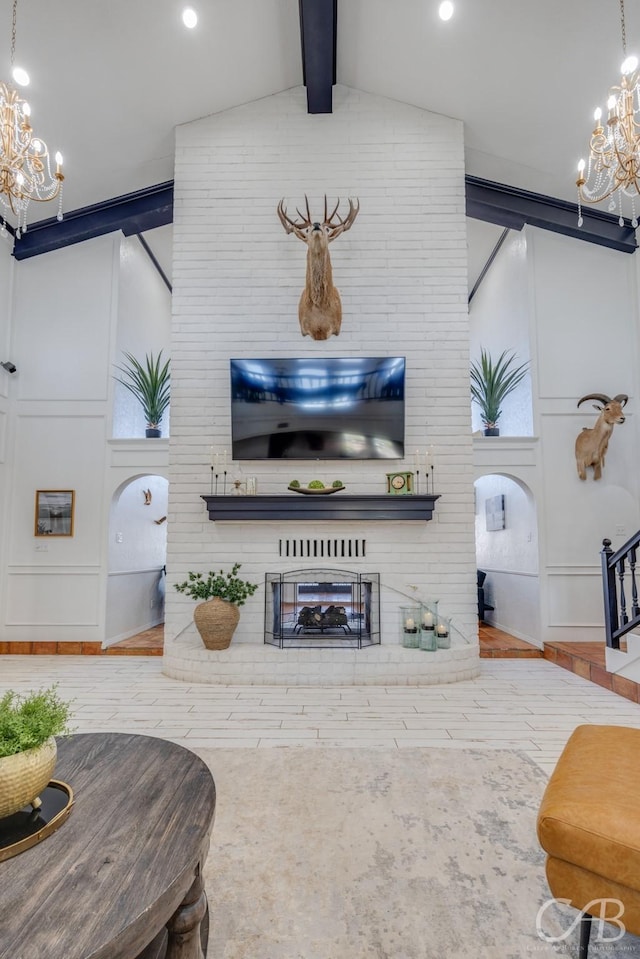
445,10
189,17
20,76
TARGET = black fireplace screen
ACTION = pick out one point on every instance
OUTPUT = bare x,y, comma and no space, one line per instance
322,609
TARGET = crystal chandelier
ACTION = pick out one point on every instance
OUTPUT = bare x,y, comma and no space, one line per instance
25,169
613,167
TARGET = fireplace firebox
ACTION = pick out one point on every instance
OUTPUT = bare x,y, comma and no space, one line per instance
322,609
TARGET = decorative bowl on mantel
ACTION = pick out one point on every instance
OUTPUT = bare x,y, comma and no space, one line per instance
322,489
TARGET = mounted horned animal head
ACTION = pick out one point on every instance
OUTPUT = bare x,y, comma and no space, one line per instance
319,309
591,444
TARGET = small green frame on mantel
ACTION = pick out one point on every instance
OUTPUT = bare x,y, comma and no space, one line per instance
54,512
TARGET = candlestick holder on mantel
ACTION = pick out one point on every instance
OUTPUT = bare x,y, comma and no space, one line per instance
220,478
427,481
219,472
424,467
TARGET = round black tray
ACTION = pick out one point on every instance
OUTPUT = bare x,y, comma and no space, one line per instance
30,826
324,489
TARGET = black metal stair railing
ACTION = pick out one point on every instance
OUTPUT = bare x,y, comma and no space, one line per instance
620,589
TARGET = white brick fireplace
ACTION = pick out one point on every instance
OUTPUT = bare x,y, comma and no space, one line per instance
401,272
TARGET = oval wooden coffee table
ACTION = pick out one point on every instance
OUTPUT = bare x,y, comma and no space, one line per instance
122,877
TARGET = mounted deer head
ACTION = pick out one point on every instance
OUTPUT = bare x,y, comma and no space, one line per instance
320,308
592,443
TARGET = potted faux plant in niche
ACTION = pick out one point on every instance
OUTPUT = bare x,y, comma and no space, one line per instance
217,617
150,384
491,383
28,751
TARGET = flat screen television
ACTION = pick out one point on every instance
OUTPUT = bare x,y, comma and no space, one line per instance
318,409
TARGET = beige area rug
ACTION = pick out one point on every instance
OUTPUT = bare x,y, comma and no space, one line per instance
382,854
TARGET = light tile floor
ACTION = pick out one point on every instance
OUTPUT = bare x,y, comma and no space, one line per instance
528,705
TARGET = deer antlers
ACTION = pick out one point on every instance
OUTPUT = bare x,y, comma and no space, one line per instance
319,308
301,228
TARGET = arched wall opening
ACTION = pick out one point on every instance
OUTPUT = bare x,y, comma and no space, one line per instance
507,551
137,557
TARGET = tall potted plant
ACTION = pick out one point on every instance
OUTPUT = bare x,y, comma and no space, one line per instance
491,383
150,384
216,618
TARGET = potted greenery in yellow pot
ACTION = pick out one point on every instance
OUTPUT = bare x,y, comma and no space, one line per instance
150,384
217,617
28,752
491,383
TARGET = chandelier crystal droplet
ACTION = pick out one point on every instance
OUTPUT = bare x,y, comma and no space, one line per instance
25,166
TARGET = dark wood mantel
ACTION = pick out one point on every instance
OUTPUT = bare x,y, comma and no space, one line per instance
296,506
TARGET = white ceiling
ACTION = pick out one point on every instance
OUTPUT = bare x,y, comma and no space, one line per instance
110,81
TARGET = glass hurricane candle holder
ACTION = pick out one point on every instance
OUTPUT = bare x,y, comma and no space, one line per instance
428,622
428,640
410,626
429,615
443,633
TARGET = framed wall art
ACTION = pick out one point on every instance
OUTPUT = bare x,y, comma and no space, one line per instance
54,512
495,513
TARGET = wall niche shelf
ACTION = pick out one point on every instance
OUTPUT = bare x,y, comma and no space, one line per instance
348,507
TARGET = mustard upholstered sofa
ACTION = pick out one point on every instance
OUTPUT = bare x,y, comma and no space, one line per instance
589,826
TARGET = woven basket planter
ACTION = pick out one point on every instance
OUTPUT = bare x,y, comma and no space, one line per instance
216,621
23,776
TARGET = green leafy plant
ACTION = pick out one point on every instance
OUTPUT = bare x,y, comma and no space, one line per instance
316,484
218,585
492,382
149,383
27,721
295,484
337,484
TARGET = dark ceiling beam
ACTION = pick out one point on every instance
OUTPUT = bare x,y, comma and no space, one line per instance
318,32
513,208
493,202
133,213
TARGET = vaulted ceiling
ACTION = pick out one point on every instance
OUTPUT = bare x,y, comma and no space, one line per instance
111,81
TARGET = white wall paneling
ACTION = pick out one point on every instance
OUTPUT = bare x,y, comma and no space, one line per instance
576,609
580,302
64,326
53,597
135,602
516,598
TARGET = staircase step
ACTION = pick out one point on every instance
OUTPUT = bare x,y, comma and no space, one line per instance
588,660
496,644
